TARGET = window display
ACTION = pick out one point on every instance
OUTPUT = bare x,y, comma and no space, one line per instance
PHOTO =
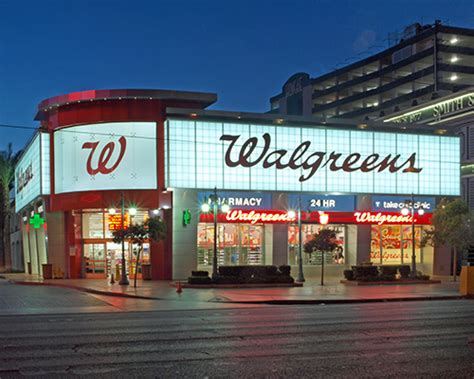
392,244
238,244
315,258
102,256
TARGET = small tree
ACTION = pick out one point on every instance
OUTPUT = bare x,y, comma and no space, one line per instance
453,225
323,241
137,234
154,228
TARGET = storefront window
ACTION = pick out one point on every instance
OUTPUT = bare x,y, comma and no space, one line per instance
93,225
392,244
238,244
114,222
101,255
315,258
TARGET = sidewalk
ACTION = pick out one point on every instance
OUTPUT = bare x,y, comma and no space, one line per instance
311,293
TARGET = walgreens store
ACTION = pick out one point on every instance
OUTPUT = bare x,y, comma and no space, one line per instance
166,155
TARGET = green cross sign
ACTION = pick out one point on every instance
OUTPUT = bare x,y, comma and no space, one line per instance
186,217
36,221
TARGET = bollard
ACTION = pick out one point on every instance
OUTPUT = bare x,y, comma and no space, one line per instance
112,281
179,288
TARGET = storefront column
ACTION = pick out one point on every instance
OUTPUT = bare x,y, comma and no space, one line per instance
33,251
364,232
26,246
280,233
280,244
73,247
57,241
161,257
184,241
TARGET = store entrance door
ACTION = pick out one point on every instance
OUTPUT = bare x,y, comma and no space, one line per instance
94,260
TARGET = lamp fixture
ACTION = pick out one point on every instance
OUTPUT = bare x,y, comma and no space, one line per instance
205,207
453,77
454,59
454,40
132,211
225,208
111,211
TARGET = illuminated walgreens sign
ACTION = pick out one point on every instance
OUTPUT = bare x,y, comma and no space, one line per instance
251,217
312,159
23,177
380,218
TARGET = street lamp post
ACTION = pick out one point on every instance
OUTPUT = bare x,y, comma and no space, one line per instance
123,279
410,206
300,277
214,201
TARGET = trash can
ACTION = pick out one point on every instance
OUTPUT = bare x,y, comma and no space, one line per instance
467,281
47,271
146,271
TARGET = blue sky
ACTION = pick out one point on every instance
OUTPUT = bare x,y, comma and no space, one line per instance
242,50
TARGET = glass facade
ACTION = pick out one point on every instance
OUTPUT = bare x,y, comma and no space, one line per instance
392,244
337,257
203,154
102,256
238,244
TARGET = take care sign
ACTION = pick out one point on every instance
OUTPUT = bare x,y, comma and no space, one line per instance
118,155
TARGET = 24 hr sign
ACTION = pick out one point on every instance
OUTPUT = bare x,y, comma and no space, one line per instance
119,155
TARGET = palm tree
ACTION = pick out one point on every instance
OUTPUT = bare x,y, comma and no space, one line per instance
7,174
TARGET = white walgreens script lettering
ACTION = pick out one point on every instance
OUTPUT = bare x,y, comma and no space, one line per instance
379,218
313,161
256,217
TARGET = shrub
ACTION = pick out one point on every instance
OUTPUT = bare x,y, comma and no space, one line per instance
284,269
388,270
404,271
253,274
230,270
271,270
199,280
421,276
365,271
200,273
349,274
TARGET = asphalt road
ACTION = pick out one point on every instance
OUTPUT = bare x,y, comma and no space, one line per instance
406,339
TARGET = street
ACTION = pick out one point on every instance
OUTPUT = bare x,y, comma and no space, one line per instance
417,339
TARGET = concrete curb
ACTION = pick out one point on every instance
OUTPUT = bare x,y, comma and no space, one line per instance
267,302
348,301
84,289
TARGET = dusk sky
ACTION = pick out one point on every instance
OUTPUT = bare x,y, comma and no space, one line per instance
242,50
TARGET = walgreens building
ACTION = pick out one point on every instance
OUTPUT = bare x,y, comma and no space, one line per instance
165,154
